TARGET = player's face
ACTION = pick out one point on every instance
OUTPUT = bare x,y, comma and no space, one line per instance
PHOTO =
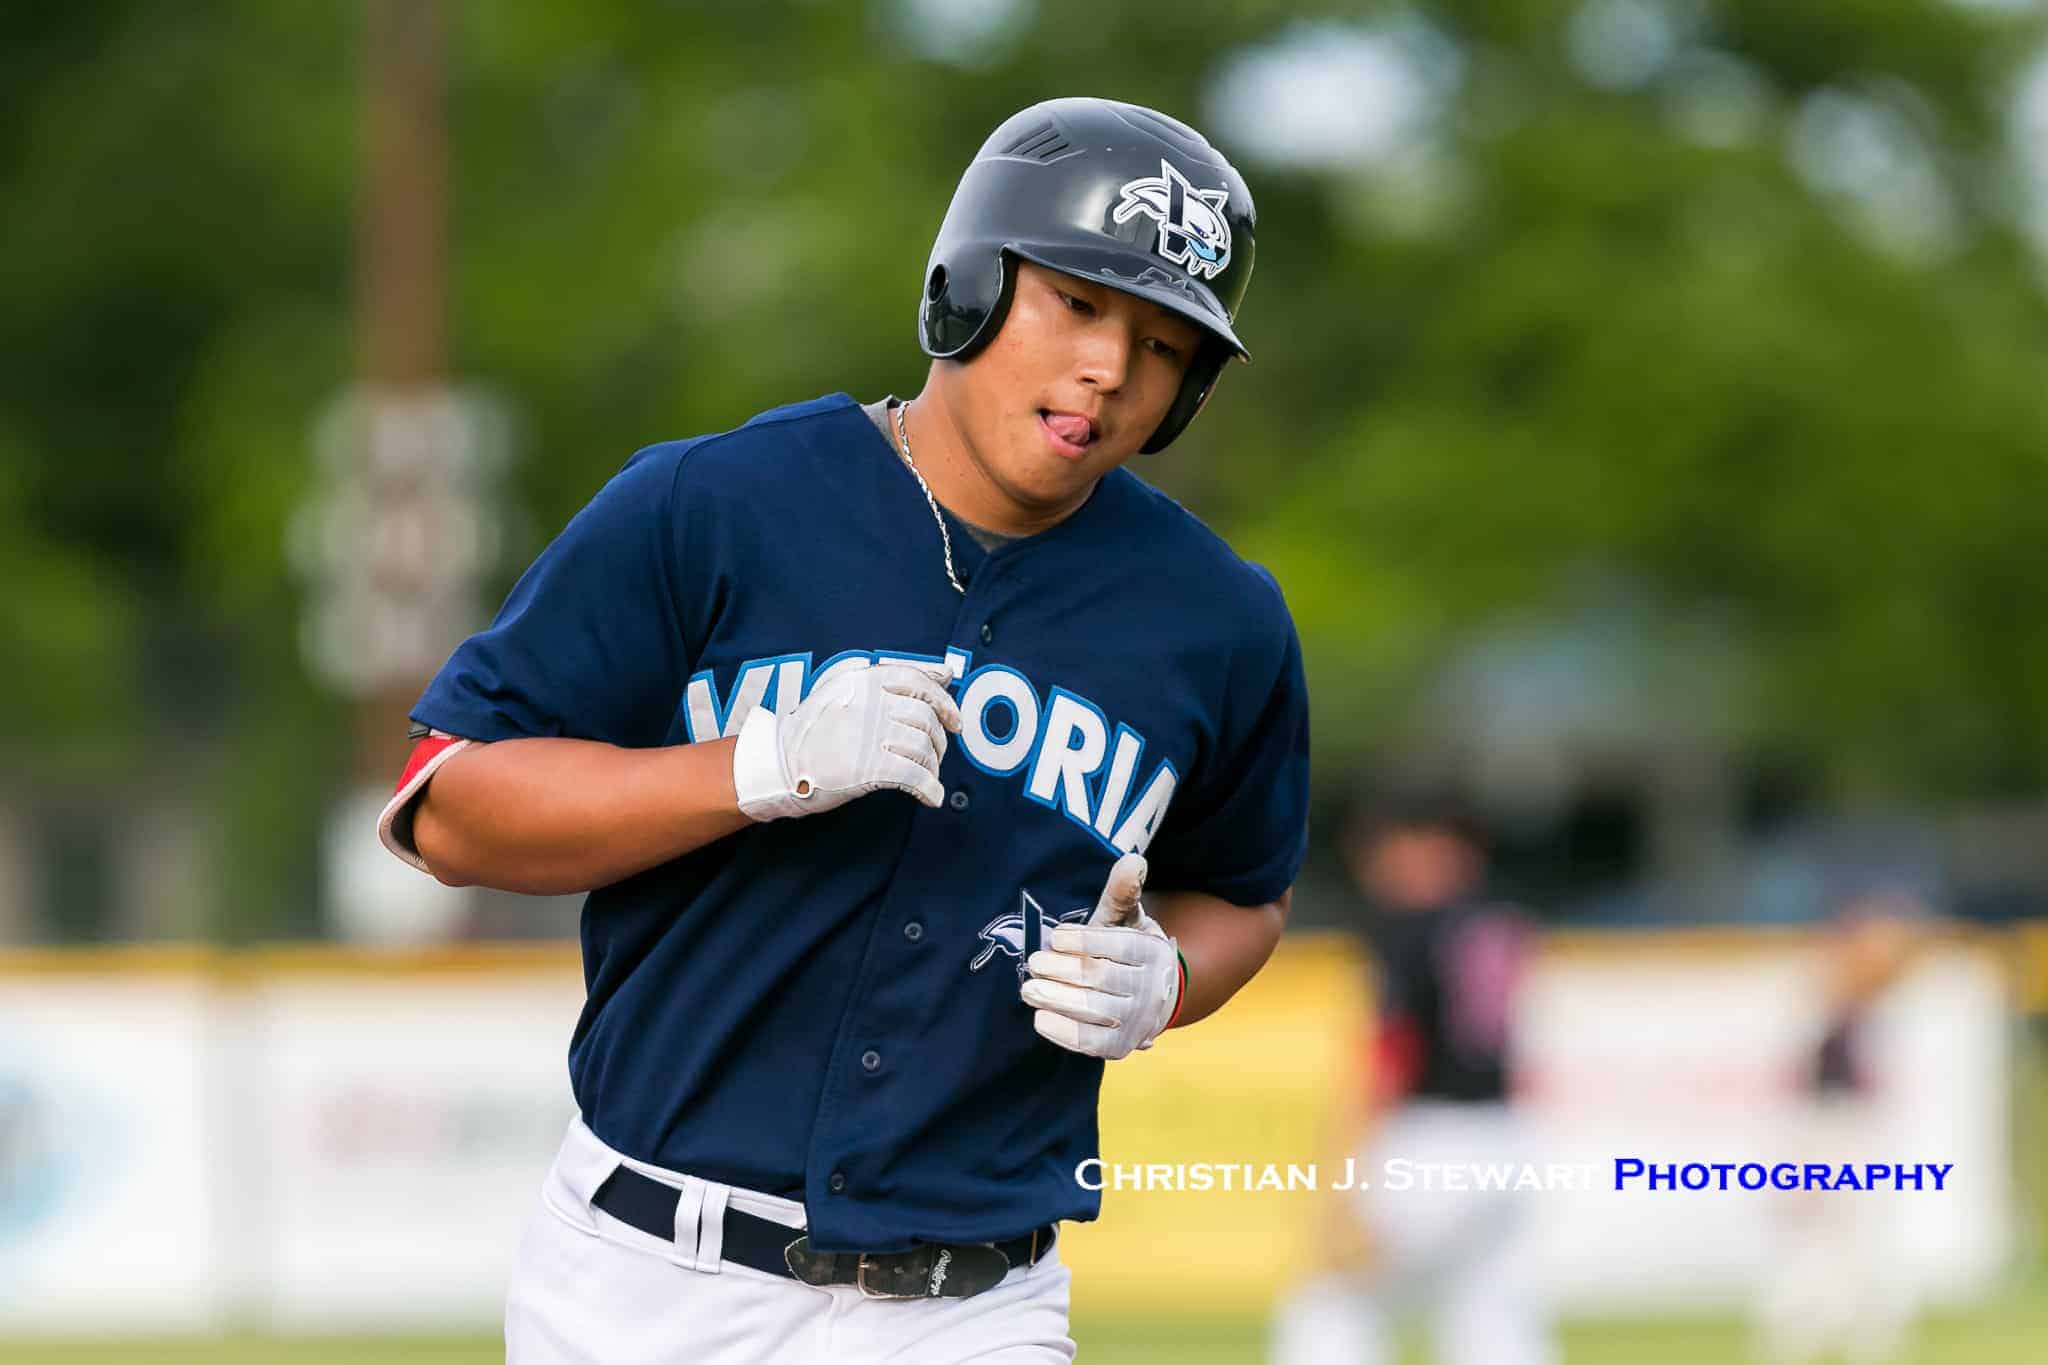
1416,867
1077,378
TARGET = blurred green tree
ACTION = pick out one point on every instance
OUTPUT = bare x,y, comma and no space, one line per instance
1612,310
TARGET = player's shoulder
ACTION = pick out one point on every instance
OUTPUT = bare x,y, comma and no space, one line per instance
1198,562
761,447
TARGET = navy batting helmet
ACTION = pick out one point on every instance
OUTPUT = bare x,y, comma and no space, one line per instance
1111,192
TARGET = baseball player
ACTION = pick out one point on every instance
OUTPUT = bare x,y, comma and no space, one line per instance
1833,1285
864,726
1450,961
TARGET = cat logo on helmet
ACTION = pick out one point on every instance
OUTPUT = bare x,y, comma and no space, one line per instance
1192,229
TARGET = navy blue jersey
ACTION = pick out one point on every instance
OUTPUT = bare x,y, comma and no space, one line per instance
1448,981
826,1008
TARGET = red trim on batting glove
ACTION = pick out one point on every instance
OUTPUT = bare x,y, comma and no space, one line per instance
422,754
394,825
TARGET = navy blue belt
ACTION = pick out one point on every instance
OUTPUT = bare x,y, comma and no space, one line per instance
930,1270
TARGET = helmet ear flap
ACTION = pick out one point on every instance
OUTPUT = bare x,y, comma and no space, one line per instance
959,314
1195,387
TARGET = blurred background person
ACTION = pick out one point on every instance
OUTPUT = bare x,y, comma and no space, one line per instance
1435,1088
1832,1282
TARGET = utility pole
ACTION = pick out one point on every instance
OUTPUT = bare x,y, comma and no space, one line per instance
402,528
401,249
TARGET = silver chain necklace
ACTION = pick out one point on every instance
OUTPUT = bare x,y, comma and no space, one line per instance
945,536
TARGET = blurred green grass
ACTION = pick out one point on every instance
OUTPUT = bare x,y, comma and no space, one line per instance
2009,1330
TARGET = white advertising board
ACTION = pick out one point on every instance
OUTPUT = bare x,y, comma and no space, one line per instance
405,1128
110,1209
1682,1058
350,1143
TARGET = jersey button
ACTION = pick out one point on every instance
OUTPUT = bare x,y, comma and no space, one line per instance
988,633
871,1061
837,1184
913,931
958,800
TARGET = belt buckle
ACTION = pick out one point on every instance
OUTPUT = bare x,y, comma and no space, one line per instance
860,1279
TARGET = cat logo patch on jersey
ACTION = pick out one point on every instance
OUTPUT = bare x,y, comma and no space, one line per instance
1192,229
1005,933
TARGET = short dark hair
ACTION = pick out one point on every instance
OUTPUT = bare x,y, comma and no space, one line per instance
1382,808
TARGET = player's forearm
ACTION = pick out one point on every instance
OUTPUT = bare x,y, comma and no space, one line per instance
554,816
1224,944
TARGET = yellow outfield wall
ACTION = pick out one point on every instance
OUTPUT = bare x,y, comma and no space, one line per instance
1259,1088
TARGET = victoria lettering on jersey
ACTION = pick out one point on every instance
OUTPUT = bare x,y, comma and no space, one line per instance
1060,745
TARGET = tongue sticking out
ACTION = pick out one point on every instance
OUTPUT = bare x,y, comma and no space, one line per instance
1068,426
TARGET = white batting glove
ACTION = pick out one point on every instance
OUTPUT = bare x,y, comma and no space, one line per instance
1108,988
864,730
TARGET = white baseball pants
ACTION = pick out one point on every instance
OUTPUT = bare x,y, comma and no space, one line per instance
1459,1256
589,1290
